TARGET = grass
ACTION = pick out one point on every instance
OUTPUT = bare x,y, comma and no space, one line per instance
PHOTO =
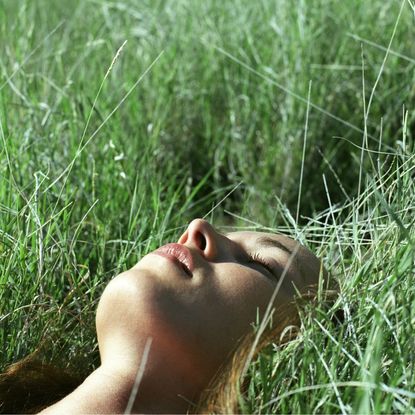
225,109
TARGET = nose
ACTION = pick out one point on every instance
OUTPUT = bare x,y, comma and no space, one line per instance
203,237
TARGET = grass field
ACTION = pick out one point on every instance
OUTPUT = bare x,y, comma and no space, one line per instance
121,121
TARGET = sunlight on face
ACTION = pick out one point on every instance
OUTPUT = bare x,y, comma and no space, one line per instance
196,298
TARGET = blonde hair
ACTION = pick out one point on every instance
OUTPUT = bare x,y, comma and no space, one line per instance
30,385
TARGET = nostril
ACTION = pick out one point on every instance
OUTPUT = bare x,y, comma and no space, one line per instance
201,241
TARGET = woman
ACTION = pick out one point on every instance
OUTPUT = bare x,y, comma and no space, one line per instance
167,326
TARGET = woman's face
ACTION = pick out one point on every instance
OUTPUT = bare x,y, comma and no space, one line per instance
196,298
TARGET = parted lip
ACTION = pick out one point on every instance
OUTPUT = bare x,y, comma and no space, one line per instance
179,253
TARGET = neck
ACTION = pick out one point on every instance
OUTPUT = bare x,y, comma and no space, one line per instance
167,384
107,390
162,394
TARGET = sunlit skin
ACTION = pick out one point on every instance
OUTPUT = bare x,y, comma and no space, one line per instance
193,320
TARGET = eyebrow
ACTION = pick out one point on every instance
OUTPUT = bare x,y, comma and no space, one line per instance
266,241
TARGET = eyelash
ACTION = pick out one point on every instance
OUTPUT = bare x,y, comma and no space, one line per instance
256,258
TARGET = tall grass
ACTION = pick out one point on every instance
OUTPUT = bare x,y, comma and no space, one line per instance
222,109
365,364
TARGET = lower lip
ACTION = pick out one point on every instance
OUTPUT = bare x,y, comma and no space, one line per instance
174,260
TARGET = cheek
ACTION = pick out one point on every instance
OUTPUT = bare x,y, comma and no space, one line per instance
247,286
241,292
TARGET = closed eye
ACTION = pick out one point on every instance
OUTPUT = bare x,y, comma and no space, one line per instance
257,259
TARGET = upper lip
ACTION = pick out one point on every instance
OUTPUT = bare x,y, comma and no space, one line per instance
180,252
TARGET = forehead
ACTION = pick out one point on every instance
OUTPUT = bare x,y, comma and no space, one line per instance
263,238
